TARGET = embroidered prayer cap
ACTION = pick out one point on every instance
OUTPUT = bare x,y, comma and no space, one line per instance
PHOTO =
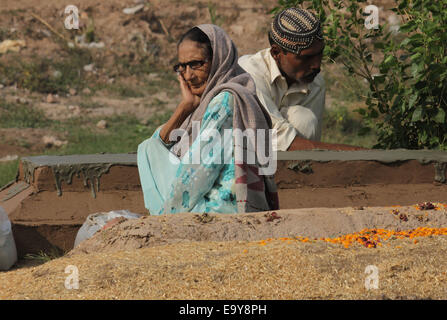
295,29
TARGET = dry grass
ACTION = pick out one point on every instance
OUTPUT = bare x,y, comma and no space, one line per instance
242,270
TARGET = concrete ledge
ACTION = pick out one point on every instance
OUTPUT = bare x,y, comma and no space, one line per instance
315,168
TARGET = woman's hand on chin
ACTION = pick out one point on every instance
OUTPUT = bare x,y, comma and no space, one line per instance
189,101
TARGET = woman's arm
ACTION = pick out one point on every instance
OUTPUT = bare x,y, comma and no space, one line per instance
194,181
187,106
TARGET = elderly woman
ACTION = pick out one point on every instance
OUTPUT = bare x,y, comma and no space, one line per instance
217,96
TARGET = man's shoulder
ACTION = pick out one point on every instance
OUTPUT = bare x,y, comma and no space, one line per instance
256,64
318,82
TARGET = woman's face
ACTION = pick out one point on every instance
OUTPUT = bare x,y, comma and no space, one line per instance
195,78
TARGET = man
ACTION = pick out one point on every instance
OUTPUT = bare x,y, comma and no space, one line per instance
288,80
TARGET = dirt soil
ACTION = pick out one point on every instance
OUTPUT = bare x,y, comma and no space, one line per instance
150,34
150,231
156,28
180,267
14,141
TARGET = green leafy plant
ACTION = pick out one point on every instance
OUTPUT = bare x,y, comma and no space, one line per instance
90,35
43,257
341,125
406,70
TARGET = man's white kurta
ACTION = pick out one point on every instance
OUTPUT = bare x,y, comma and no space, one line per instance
297,110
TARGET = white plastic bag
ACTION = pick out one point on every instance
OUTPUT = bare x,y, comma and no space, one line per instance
8,250
96,221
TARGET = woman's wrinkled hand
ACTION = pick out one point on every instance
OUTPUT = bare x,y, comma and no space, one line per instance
189,101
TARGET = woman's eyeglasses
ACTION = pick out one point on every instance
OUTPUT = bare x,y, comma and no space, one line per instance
195,64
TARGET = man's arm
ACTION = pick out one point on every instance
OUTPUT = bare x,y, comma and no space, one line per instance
288,138
285,131
257,69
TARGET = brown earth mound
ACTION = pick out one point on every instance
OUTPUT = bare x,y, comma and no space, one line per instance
313,223
184,256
